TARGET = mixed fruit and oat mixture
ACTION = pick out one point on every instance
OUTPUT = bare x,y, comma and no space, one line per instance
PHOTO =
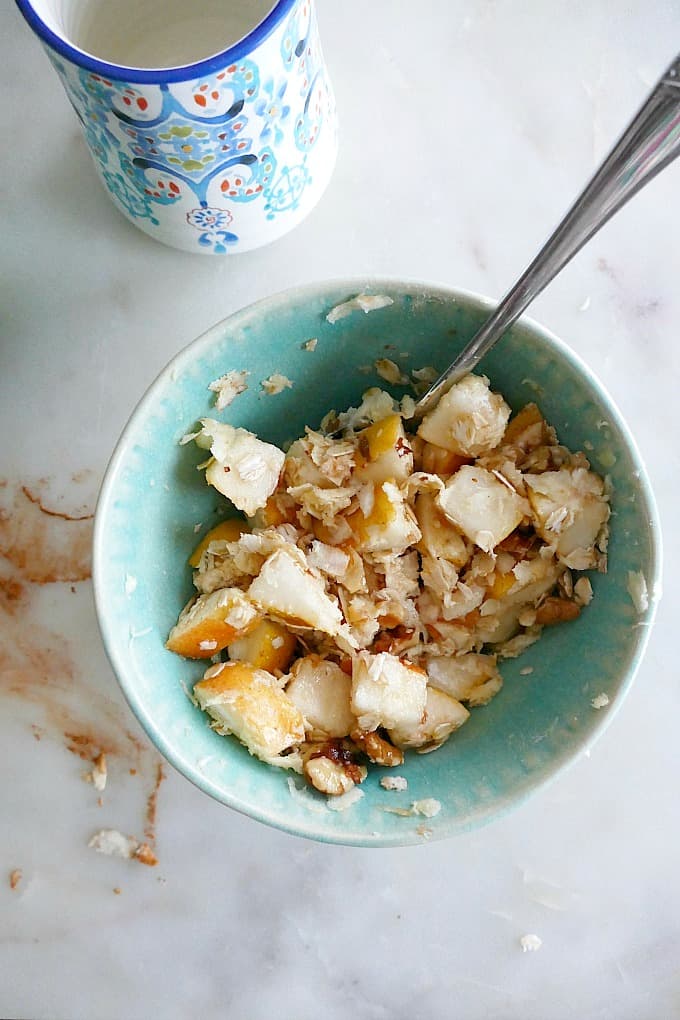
376,580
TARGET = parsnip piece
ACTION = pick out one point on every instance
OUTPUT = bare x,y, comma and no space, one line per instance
245,469
269,646
321,691
387,692
209,624
249,703
286,588
484,509
469,419
443,714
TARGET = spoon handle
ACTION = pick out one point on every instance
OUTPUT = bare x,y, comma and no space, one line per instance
650,142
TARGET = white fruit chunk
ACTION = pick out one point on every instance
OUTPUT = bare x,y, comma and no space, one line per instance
208,624
471,677
244,469
387,692
390,525
569,508
321,691
384,452
484,509
249,703
469,419
286,588
443,714
440,538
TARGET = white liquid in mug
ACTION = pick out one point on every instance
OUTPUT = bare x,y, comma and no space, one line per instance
162,33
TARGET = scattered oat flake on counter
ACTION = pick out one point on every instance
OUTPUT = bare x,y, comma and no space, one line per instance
637,589
130,584
228,387
600,701
15,878
113,843
276,383
362,303
390,372
530,943
99,773
394,783
310,345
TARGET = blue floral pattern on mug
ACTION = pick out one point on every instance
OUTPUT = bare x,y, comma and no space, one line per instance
186,160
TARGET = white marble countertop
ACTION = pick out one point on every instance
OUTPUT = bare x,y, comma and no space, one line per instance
466,128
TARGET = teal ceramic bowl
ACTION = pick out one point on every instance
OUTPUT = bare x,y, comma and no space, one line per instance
153,500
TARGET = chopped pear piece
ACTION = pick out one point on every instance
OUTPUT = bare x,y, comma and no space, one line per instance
484,508
469,419
225,531
570,508
471,677
387,692
244,469
440,538
443,714
321,691
249,703
384,452
269,646
389,526
208,624
286,588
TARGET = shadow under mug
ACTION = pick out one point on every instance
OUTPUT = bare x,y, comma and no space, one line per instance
215,154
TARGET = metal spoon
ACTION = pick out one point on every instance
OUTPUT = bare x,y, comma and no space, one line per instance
650,142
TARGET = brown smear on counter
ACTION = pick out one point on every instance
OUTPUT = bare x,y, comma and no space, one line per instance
41,545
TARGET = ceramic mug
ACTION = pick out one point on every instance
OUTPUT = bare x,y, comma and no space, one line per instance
212,126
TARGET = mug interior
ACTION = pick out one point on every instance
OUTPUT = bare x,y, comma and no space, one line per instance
151,34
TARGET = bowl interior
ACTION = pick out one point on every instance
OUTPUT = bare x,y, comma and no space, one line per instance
154,505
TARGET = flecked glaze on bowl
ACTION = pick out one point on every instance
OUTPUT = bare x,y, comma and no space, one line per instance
153,499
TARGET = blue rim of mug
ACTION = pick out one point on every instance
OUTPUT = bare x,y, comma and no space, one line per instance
161,75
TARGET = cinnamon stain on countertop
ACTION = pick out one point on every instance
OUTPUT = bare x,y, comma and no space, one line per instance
42,544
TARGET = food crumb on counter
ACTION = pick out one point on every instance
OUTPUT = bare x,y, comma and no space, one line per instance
113,843
228,387
394,783
530,943
117,890
15,877
276,383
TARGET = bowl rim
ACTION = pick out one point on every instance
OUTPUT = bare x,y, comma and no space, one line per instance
354,285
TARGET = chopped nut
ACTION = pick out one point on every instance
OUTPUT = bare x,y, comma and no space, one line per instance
15,877
331,768
377,749
556,610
